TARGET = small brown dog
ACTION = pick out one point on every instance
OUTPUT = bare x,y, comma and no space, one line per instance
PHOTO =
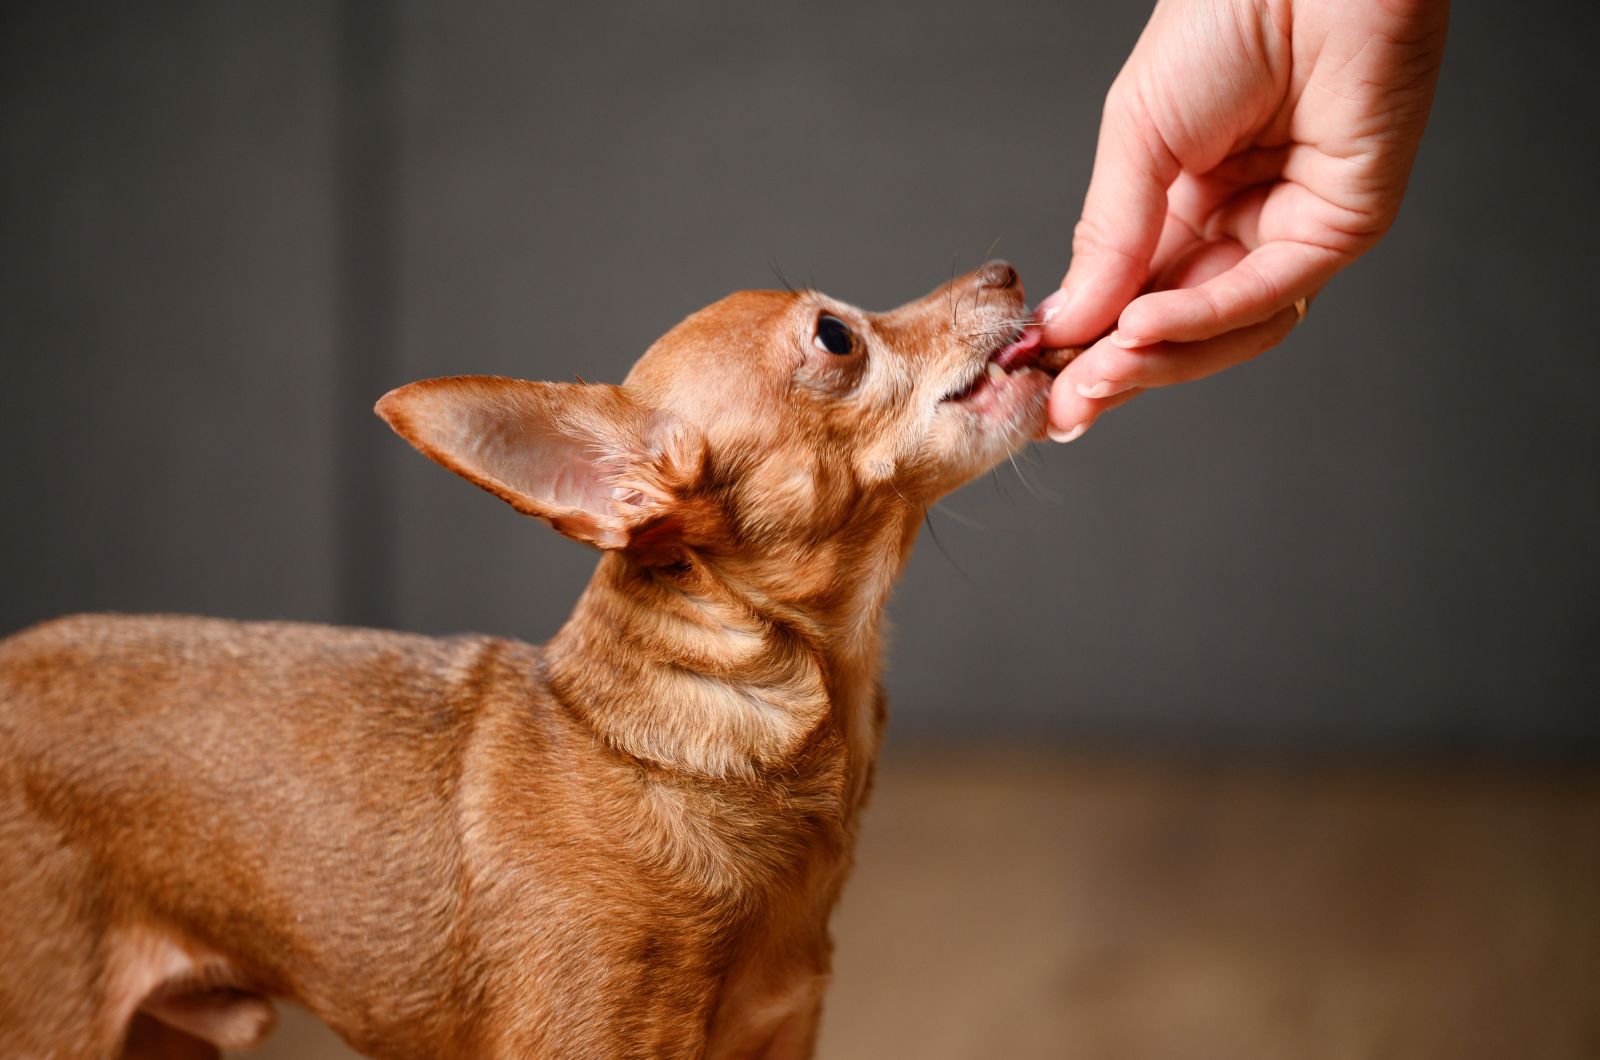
623,844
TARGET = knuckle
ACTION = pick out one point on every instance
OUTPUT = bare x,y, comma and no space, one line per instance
1205,302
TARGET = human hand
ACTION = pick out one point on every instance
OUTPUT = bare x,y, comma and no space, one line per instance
1248,150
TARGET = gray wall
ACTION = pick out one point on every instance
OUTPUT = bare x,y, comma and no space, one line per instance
224,229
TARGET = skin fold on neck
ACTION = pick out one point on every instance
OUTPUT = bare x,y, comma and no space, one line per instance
736,670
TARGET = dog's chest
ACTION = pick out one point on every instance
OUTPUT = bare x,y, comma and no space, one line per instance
769,998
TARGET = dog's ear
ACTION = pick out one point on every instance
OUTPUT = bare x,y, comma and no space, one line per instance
593,461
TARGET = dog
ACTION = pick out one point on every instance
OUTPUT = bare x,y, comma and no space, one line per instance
624,843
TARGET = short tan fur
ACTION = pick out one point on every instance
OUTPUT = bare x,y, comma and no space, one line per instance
624,843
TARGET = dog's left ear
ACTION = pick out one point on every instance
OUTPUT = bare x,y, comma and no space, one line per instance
590,459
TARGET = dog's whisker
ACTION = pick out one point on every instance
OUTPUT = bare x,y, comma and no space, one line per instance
965,520
999,484
1027,485
927,521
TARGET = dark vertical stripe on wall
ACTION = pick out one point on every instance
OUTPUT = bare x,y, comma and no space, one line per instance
368,278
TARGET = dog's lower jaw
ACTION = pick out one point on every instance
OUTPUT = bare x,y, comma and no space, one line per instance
967,438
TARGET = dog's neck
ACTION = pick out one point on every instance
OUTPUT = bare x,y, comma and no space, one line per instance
739,669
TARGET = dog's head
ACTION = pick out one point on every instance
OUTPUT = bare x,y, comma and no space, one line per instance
767,424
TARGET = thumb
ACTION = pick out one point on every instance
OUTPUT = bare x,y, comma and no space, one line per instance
1116,237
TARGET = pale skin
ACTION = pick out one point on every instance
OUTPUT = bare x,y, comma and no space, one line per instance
1249,150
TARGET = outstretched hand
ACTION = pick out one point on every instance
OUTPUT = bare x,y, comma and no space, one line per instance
1248,151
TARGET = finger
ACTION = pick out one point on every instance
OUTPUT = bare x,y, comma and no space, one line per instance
1122,218
1106,370
1265,281
1071,412
1198,262
1078,413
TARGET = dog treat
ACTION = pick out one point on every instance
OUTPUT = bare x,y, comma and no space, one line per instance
1055,360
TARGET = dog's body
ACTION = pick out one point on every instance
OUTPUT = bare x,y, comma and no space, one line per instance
624,843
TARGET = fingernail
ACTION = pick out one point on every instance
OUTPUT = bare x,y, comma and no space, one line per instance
1066,436
1052,306
1103,389
1129,342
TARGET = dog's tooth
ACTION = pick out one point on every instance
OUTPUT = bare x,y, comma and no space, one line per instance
996,373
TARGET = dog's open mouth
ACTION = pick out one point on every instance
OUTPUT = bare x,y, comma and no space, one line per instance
1019,350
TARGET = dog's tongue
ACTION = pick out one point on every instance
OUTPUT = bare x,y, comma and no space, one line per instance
1023,351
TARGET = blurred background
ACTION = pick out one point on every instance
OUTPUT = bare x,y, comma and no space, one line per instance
1261,721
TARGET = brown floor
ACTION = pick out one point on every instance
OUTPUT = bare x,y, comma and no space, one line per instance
1012,906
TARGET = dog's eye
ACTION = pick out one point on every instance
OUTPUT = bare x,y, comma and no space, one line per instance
833,336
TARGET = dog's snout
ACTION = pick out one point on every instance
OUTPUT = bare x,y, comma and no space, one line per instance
997,274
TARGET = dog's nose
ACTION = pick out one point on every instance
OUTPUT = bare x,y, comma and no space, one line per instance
997,273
